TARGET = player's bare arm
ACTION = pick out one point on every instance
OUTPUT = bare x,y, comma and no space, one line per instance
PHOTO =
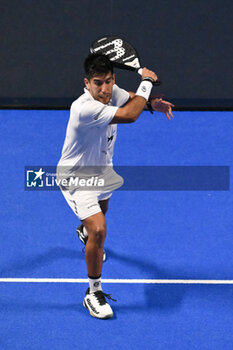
158,105
130,112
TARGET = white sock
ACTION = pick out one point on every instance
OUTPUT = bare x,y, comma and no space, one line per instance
95,284
85,231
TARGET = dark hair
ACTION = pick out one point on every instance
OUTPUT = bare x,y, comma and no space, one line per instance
97,64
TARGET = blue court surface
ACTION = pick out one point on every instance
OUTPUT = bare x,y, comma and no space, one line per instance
163,241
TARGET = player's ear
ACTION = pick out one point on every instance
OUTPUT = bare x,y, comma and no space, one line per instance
86,81
114,78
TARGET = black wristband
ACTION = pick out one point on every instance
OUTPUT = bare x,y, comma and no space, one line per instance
151,80
154,83
149,107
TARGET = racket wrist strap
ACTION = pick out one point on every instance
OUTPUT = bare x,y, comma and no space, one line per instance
149,79
149,107
144,89
155,83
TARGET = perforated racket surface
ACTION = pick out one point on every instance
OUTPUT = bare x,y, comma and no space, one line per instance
120,52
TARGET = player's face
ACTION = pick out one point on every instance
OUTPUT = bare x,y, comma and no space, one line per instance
100,87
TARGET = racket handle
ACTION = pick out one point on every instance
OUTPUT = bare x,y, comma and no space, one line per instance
140,71
156,83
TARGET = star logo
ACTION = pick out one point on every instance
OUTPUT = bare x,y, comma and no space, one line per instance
39,174
34,178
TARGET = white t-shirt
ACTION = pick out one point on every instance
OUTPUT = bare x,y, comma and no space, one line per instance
89,138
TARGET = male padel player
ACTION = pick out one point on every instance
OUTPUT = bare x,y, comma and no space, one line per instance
90,137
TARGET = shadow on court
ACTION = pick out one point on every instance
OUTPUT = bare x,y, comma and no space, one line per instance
159,297
30,263
17,306
169,296
165,298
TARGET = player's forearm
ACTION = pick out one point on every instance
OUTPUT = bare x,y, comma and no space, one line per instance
135,107
155,99
131,111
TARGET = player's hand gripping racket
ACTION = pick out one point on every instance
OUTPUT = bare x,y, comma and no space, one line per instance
120,52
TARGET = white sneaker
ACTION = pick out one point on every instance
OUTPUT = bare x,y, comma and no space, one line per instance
97,305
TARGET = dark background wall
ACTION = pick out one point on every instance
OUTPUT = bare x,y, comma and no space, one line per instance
44,42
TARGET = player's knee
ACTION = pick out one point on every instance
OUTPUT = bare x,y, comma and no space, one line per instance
98,235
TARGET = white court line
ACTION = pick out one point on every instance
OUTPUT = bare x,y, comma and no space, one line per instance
139,281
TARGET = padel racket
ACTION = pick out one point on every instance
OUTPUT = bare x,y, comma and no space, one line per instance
120,52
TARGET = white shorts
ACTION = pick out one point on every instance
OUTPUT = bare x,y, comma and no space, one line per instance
85,203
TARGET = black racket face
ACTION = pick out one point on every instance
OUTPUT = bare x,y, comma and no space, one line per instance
122,53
